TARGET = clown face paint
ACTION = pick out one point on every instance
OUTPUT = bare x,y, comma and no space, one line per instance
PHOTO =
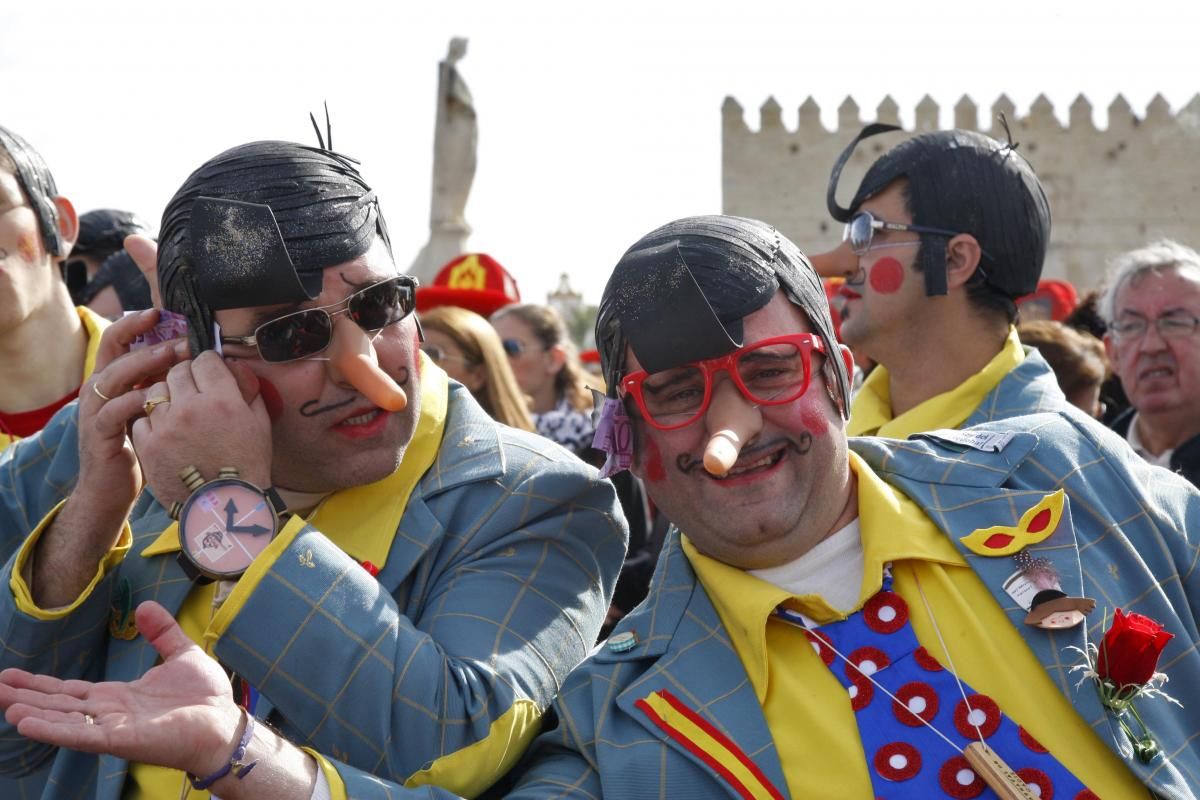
27,248
654,462
789,483
886,276
885,299
28,278
327,434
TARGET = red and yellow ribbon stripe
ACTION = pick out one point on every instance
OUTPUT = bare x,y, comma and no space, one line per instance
708,744
1036,525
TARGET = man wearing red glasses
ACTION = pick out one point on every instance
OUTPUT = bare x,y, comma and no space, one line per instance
767,660
345,553
47,344
945,232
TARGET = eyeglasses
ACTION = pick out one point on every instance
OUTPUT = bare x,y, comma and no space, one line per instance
308,332
1175,325
515,347
860,231
438,355
769,372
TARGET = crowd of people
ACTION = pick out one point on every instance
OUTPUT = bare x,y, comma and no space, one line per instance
899,519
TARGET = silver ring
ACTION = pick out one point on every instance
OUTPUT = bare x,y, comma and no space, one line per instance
100,394
89,719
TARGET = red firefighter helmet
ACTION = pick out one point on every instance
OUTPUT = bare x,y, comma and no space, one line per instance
474,281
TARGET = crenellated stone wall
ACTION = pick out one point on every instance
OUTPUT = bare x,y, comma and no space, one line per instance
1110,189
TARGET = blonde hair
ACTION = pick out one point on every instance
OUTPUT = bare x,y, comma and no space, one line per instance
499,396
572,381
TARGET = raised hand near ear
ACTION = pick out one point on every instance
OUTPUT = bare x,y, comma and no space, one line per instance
144,252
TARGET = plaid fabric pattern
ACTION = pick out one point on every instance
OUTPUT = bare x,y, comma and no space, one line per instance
497,582
1129,537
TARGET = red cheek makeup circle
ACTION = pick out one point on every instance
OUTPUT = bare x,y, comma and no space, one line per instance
271,398
887,276
654,464
813,421
27,248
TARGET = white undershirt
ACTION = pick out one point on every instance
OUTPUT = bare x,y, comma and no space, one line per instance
1163,459
833,570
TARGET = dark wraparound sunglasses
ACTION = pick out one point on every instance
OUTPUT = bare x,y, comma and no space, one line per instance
308,332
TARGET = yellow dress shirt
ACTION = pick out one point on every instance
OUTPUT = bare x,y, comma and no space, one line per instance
871,410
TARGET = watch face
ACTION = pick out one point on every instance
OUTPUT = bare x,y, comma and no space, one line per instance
224,525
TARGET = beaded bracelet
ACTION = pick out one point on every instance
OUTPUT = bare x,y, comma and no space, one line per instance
235,765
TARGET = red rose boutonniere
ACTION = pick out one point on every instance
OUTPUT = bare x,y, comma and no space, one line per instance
1125,667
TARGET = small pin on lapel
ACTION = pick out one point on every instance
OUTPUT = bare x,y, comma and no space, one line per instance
1037,587
622,642
121,622
1035,526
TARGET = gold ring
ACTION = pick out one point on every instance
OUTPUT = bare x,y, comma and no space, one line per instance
100,394
89,719
153,403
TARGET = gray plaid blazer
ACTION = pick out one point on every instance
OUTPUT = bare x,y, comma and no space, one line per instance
1129,537
496,585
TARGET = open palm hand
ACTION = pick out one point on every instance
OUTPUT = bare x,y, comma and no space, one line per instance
178,714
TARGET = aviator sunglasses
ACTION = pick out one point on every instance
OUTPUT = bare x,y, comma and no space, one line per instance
309,331
860,231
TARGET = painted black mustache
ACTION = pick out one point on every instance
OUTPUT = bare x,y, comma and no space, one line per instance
800,445
307,410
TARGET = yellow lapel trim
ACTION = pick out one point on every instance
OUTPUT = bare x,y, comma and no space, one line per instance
94,325
363,520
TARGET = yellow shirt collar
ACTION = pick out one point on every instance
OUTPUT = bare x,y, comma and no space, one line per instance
363,520
93,325
893,528
871,410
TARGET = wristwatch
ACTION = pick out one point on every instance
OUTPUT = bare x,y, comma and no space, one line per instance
224,524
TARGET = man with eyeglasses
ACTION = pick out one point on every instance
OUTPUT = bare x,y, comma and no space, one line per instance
1151,305
766,661
946,230
47,343
345,553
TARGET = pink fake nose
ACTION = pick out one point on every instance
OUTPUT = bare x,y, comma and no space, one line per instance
733,422
352,354
840,262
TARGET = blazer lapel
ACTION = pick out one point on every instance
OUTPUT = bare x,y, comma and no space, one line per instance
697,700
962,492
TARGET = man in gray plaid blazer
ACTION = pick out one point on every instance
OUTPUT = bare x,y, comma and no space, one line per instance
707,691
432,579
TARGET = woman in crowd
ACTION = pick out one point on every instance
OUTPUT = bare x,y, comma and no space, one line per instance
463,344
1077,358
548,370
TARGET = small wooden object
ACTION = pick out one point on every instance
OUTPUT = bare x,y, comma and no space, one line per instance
995,773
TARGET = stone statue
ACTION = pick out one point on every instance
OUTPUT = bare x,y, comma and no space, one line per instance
454,140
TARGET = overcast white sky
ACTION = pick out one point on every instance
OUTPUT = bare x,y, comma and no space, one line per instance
597,121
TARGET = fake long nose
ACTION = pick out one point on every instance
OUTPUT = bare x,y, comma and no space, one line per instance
733,422
840,262
352,355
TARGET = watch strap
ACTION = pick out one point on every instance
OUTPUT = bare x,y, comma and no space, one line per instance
277,502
